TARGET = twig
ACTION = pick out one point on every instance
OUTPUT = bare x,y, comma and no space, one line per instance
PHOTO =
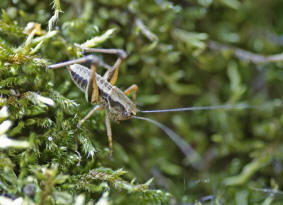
245,55
151,36
266,190
274,38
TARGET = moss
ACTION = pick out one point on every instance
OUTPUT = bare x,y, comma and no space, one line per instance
175,59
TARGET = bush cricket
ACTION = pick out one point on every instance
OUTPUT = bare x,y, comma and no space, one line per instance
101,90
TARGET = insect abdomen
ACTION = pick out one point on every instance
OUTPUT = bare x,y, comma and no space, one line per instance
80,75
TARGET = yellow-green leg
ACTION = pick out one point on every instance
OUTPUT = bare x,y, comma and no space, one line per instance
132,89
111,74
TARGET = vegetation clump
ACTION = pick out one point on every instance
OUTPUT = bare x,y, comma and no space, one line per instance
180,53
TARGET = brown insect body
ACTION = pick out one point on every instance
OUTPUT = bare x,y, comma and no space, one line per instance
120,107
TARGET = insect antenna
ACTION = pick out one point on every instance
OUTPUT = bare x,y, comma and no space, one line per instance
190,153
240,106
187,149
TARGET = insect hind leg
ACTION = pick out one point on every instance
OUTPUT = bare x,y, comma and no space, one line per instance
112,74
92,92
89,58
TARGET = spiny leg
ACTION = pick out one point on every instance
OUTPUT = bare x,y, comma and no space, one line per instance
132,89
97,107
109,132
112,74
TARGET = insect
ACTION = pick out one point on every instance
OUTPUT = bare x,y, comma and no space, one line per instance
101,90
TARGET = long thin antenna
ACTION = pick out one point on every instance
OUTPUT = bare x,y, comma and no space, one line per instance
213,107
187,149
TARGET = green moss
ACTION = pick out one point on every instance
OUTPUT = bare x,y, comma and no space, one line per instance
46,159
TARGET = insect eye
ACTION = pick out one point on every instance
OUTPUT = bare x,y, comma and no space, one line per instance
125,113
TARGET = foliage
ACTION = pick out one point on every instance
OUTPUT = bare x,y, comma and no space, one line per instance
181,53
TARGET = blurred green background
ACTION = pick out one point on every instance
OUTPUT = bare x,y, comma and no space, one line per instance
181,53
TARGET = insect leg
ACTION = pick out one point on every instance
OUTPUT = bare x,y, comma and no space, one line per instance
93,89
109,132
112,74
90,58
97,107
132,89
104,65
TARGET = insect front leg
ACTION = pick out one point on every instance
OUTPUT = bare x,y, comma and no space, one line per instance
111,75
